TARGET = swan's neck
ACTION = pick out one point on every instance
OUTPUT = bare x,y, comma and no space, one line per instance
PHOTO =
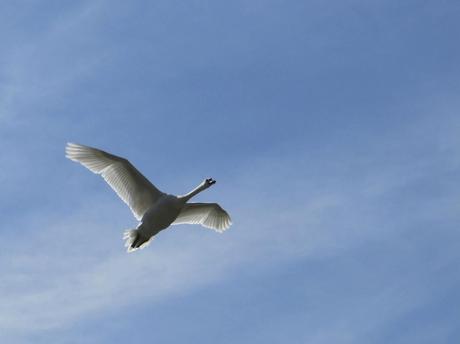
194,192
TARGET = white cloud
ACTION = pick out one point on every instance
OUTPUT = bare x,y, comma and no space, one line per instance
63,269
59,270
49,62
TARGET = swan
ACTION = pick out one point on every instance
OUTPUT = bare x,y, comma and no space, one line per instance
155,210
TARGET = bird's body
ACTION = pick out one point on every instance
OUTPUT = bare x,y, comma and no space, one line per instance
154,209
160,215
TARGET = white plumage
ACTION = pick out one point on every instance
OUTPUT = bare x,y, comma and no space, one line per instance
209,215
154,209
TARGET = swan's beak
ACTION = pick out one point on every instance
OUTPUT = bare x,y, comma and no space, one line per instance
210,181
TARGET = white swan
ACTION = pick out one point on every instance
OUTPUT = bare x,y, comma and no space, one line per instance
154,209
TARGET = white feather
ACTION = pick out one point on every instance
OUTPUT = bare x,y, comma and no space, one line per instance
209,215
155,209
129,184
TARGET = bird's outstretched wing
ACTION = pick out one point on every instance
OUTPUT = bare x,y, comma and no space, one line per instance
209,215
129,184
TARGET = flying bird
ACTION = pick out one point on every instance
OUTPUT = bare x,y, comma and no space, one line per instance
155,210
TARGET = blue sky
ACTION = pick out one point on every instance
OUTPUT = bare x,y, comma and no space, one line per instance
332,130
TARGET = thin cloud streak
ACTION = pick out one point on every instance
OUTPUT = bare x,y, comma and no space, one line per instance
76,267
335,142
41,69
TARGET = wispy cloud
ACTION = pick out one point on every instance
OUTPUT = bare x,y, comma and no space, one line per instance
40,69
363,206
67,268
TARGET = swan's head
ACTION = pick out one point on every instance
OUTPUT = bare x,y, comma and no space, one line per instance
208,182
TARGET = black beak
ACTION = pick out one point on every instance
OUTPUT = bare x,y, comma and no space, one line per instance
210,181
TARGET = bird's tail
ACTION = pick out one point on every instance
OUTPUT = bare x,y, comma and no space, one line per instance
134,240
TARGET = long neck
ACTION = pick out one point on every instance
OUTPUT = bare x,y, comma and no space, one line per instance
194,192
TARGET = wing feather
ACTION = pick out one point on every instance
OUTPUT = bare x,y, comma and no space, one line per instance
129,184
209,215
